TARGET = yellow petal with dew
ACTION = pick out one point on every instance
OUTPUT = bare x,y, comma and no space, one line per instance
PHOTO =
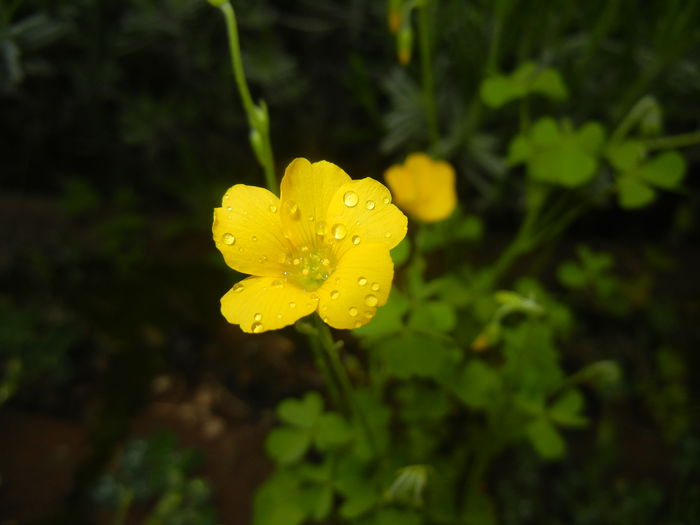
248,232
259,304
361,213
306,190
361,283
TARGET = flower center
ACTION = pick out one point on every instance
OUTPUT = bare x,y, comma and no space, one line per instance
308,267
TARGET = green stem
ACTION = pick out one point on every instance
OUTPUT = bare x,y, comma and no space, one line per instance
258,118
634,115
674,141
326,369
424,24
330,348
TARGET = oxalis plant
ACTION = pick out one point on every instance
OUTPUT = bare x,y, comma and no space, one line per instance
449,371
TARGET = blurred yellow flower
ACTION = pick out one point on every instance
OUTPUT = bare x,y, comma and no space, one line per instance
423,187
322,246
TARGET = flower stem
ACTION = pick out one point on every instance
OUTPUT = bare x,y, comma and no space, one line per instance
258,118
674,141
332,357
424,25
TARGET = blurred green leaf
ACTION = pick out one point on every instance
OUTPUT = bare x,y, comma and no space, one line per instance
332,431
633,193
546,439
664,171
278,502
478,384
287,444
625,155
389,318
432,316
401,252
566,409
498,90
408,355
301,412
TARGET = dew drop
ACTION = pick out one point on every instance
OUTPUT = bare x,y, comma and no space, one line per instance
356,239
339,231
254,238
228,239
335,294
375,286
229,209
257,327
273,208
277,283
369,314
386,200
350,199
362,281
387,234
369,205
326,262
279,316
321,228
237,288
292,209
371,300
352,311
241,250
258,317
358,324
305,248
292,305
325,319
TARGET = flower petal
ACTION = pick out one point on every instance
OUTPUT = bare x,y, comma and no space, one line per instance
248,232
361,282
423,187
259,304
360,213
306,190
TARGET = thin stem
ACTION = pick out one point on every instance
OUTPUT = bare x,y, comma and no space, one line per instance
634,115
673,141
326,369
258,118
330,348
424,25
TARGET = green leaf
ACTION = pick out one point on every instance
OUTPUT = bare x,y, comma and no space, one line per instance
498,90
549,82
520,150
392,516
633,193
590,137
571,275
478,385
287,445
625,155
389,318
277,502
400,253
664,171
545,438
566,409
545,132
360,496
433,316
564,164
409,355
332,431
317,501
301,412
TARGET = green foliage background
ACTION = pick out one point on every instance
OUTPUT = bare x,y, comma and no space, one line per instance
121,129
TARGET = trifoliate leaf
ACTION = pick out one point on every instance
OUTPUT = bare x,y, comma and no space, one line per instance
633,192
332,431
664,171
625,155
301,412
545,438
287,445
478,384
566,409
277,502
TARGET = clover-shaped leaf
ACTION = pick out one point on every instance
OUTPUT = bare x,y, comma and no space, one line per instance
301,412
498,90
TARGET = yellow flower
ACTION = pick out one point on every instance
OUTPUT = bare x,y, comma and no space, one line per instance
423,187
322,246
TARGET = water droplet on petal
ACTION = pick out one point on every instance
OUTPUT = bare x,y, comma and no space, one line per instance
371,300
325,262
254,238
369,205
352,311
386,200
369,314
273,208
228,239
335,294
258,317
358,324
339,231
321,228
229,209
362,281
375,286
387,234
257,327
350,199
279,316
356,239
238,288
292,209
292,305
277,283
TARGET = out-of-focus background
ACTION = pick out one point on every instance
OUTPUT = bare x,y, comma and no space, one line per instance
121,385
